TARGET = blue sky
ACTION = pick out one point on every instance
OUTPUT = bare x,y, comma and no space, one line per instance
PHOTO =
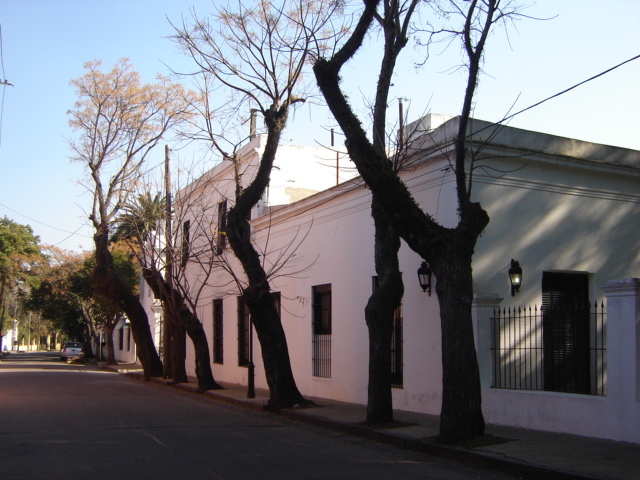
46,42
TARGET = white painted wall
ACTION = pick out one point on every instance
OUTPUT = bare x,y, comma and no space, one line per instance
126,354
548,209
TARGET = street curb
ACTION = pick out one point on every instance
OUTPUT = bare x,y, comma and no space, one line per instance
473,458
466,456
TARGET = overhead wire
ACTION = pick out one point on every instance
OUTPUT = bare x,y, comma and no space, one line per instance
44,224
505,119
3,82
566,90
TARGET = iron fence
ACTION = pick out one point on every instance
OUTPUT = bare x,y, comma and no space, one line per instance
521,357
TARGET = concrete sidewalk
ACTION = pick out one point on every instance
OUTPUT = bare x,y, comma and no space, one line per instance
525,453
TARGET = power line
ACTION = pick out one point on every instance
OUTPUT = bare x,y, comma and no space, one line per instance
567,89
3,82
46,225
1,56
71,234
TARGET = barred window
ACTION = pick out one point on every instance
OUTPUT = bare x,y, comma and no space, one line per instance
186,241
244,328
218,339
222,227
322,327
244,323
397,343
565,330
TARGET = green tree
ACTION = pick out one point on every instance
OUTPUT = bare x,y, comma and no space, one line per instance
54,299
20,259
65,296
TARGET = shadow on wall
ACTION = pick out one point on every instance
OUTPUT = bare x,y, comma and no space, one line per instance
554,227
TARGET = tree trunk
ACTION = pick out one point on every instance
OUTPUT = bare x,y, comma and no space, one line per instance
146,349
178,354
379,315
461,414
198,337
184,320
283,391
111,353
174,346
107,284
88,344
167,340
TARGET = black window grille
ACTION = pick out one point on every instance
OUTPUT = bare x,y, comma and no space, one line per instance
222,227
186,241
121,338
519,352
565,327
218,339
244,323
321,339
397,343
397,354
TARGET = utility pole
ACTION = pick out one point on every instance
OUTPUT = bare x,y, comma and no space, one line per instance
167,331
401,122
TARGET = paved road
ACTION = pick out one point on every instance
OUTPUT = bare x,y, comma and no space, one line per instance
71,421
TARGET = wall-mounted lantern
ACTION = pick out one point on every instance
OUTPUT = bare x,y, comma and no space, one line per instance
424,277
515,276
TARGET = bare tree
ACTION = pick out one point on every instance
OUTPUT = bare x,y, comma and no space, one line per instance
379,312
258,55
120,121
142,225
449,251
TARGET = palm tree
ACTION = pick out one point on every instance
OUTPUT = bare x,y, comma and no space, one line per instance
138,225
140,219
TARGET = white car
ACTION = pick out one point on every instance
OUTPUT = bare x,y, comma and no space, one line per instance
72,351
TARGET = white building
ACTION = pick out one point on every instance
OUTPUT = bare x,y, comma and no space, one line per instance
10,338
567,210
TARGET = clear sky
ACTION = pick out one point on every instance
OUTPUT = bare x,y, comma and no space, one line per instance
46,42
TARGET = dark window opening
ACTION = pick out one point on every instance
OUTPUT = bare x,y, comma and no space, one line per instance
218,343
244,323
397,354
321,341
186,240
244,328
222,228
565,324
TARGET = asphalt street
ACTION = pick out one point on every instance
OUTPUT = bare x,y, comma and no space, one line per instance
65,421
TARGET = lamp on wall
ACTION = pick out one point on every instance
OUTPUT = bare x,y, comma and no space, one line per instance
515,276
424,277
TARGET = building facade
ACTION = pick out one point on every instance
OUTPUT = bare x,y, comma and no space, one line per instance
568,211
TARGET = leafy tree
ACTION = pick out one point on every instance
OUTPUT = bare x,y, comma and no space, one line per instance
100,311
449,251
54,298
20,259
65,297
119,121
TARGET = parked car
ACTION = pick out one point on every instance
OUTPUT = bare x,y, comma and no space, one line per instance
72,351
